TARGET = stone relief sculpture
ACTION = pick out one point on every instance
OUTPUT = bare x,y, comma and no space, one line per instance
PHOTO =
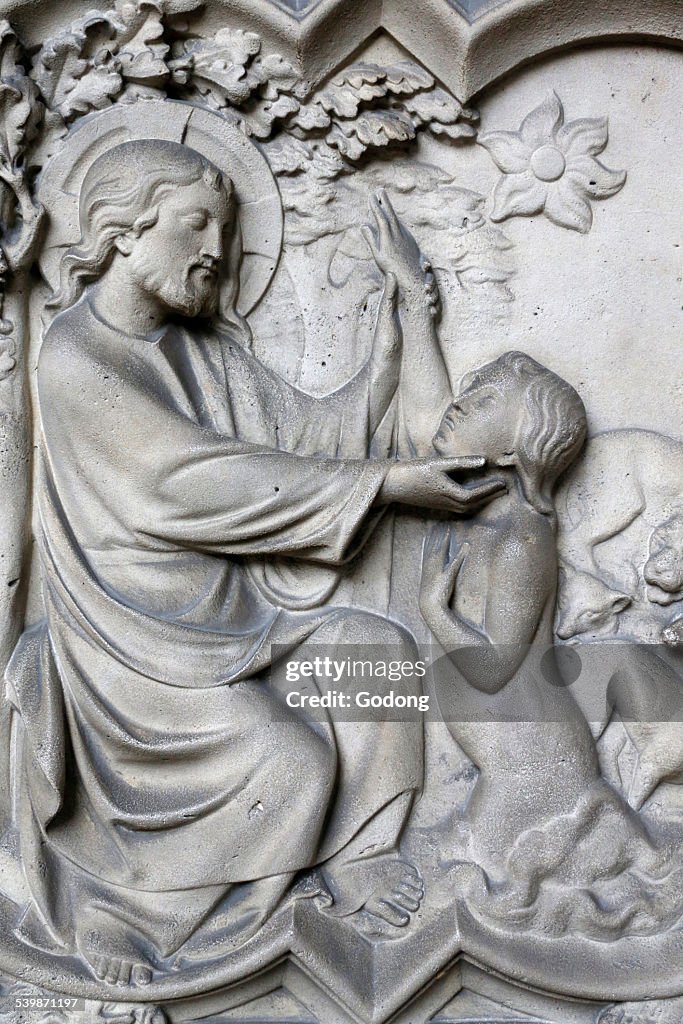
625,548
663,572
551,167
155,218
529,858
278,395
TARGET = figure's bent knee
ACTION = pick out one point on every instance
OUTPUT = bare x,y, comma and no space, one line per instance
321,759
365,628
307,754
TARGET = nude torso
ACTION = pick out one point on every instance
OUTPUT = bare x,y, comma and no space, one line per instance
530,741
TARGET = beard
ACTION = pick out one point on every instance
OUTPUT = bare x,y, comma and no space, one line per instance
192,293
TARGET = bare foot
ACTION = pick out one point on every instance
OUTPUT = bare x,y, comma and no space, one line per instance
392,906
112,949
378,894
116,971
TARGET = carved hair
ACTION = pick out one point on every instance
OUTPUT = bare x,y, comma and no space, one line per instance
122,193
551,432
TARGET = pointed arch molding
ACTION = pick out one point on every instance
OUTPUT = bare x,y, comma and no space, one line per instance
467,44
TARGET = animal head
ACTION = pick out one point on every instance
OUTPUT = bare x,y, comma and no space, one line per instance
586,604
663,570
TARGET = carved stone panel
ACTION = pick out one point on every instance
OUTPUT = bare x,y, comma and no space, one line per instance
341,550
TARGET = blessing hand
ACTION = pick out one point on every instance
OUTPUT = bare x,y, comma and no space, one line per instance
396,252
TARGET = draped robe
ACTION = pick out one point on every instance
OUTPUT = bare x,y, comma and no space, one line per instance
156,759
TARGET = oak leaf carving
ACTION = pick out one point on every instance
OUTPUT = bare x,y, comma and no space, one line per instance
368,107
141,49
276,76
217,67
75,72
20,107
20,215
379,128
406,76
260,120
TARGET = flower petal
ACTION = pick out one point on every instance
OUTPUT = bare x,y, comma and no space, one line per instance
507,151
518,195
588,135
593,179
566,207
539,127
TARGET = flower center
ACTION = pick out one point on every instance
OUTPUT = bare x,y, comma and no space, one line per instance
548,163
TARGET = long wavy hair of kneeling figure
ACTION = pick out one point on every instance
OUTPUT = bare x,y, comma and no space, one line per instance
122,193
552,429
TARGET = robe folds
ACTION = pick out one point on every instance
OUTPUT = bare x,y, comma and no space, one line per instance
155,756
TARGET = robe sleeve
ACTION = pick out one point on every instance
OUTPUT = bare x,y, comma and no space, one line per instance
117,443
337,424
231,498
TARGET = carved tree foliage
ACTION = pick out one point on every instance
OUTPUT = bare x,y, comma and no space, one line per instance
364,107
130,51
230,74
20,115
368,108
90,64
464,245
313,141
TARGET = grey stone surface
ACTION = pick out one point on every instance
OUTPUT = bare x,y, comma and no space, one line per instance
334,336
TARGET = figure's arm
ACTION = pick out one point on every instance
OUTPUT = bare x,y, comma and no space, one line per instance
234,498
406,356
229,497
425,389
520,589
345,421
374,386
174,483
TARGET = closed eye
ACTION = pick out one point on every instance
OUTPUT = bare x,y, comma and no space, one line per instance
197,221
483,400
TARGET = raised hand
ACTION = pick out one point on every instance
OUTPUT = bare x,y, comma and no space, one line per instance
396,252
427,483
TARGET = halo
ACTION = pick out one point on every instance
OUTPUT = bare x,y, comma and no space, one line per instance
258,199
